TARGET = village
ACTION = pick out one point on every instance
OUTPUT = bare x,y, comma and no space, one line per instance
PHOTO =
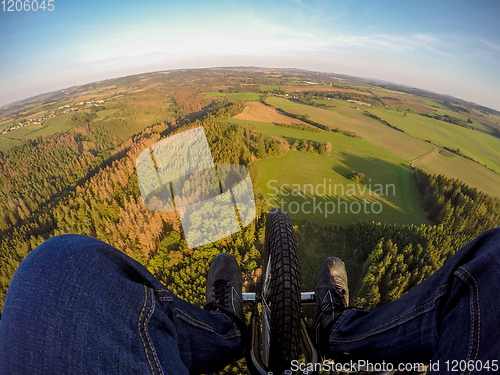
52,113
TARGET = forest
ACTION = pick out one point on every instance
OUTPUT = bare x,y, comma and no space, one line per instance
400,257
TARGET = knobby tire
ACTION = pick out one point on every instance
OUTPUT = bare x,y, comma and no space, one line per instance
283,291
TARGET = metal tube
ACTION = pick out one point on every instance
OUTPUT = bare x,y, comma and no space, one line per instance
305,297
248,297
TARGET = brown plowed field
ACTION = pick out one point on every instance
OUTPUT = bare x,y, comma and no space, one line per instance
256,111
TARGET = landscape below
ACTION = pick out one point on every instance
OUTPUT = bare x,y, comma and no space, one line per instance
391,179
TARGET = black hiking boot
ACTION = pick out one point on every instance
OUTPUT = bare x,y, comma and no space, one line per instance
332,297
224,292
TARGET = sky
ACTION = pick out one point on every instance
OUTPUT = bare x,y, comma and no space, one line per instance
449,47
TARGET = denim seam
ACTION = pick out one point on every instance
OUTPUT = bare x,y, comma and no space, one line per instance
168,297
144,328
474,302
147,335
401,319
139,328
189,319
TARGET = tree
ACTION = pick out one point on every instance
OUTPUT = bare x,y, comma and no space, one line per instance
357,177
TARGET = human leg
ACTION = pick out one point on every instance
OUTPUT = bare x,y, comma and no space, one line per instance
78,305
449,316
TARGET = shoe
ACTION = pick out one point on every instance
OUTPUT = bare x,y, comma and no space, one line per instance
332,297
224,292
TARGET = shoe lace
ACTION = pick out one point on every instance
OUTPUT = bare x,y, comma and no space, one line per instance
220,291
339,300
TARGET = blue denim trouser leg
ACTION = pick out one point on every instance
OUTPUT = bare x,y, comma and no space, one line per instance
77,305
452,315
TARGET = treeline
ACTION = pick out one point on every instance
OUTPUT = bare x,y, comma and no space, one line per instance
306,118
451,203
189,100
346,132
396,258
263,146
80,119
458,152
451,120
307,97
300,127
237,88
366,113
312,147
224,108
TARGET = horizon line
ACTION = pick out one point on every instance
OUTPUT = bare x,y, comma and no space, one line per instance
374,80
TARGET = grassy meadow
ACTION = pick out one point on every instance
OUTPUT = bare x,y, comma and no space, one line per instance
236,96
420,142
383,154
476,144
398,199
345,117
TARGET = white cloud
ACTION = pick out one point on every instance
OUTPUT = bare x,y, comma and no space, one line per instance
490,44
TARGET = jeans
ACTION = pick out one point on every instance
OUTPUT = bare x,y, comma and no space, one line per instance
77,305
451,316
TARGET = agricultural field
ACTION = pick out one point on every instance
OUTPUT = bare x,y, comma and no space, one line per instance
321,88
268,87
469,172
236,96
6,123
278,178
106,114
57,123
257,111
384,154
475,144
346,117
421,136
51,126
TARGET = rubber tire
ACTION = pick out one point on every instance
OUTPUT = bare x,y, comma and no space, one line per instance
283,293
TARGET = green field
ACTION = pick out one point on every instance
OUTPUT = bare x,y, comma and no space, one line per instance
7,143
411,144
347,118
268,87
57,123
51,126
237,96
476,144
399,201
463,169
105,114
8,124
